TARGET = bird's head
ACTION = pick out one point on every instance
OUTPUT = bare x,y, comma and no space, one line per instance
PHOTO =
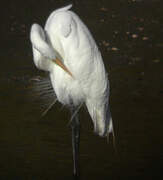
42,45
38,39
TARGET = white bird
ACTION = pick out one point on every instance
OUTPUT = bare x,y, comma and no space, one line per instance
66,49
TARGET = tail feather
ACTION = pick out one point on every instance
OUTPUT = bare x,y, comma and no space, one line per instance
110,127
101,117
111,132
103,123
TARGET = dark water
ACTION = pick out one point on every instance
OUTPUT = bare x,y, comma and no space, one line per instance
129,35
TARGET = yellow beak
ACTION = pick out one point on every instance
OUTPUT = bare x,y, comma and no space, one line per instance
60,64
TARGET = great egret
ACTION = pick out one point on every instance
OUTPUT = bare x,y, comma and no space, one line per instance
66,49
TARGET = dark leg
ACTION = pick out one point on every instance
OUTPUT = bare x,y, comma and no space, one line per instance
75,125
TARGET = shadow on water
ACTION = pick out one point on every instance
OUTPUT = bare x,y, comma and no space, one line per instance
129,35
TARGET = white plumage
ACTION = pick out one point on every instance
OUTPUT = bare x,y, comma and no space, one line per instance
65,37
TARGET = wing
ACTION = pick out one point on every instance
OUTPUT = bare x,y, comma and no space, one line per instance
63,9
66,25
60,19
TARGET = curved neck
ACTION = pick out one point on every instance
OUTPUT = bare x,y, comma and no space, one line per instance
38,39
